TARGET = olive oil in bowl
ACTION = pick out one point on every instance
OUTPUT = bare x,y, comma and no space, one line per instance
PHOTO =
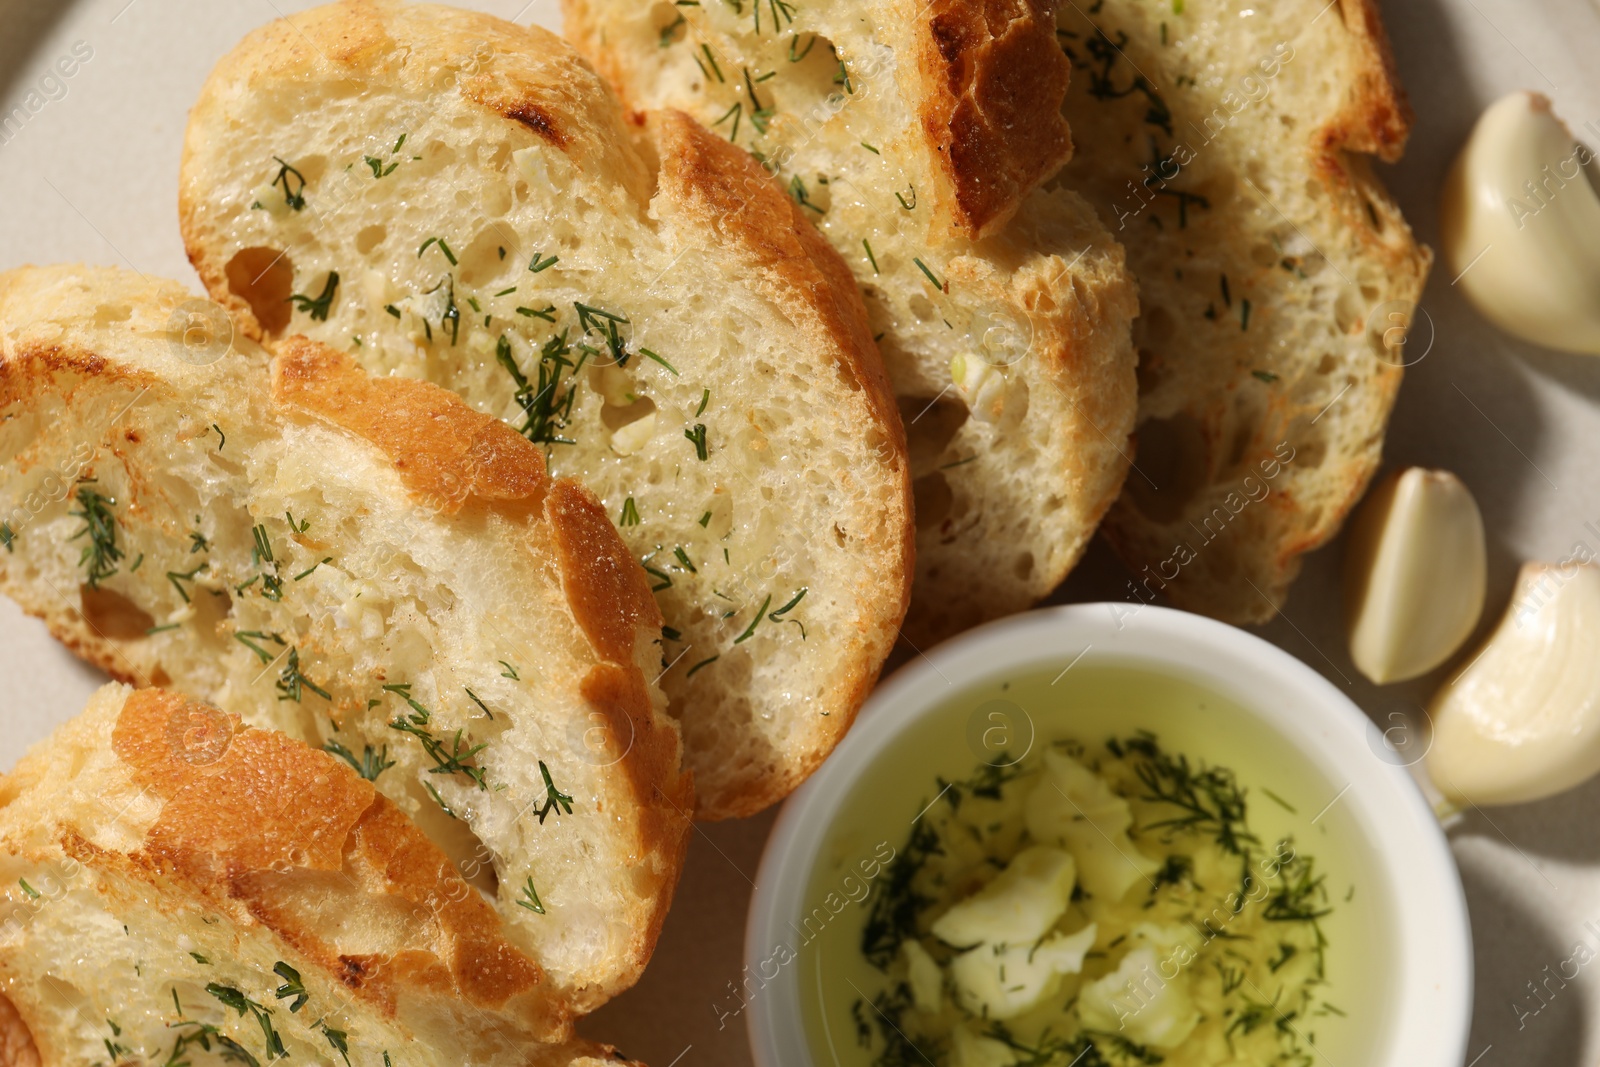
1225,904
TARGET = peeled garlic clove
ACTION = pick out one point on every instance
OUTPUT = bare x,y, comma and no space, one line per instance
1022,902
1522,721
1138,1001
1521,226
1414,575
1005,981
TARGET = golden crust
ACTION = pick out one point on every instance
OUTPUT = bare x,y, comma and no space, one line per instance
245,808
481,460
541,85
611,602
721,190
606,589
987,70
443,450
1377,118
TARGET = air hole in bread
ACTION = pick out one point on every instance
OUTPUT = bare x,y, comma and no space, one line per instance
933,499
615,417
1328,363
313,167
669,23
1158,326
106,314
931,424
815,68
263,278
1150,371
17,1048
370,237
1172,455
923,308
480,260
1349,310
1023,566
472,858
113,615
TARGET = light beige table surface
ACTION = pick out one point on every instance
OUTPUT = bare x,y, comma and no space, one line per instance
92,176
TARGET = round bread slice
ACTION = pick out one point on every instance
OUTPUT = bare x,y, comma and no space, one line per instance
1278,276
367,565
915,134
176,887
450,197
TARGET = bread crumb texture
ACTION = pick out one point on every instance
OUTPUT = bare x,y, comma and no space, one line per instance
181,887
915,136
1226,148
367,565
451,198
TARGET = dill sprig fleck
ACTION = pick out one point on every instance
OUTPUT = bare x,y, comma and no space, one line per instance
476,699
453,760
547,404
530,897
369,766
248,639
870,257
295,197
319,306
444,247
735,113
538,266
554,799
292,986
630,513
236,1000
797,190
292,683
1208,799
794,602
177,578
750,630
101,554
698,437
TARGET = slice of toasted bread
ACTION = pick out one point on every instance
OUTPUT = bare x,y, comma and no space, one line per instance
1225,148
914,134
656,315
176,884
366,564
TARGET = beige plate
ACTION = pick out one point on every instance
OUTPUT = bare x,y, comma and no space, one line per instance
91,174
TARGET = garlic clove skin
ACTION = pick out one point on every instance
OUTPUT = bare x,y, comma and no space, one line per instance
1522,721
1521,226
1415,571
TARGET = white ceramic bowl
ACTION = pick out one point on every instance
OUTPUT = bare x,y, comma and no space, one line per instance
1429,1012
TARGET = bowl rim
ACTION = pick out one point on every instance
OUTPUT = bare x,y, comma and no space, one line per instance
1431,1002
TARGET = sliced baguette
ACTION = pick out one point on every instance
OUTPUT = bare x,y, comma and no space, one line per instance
1276,273
160,862
428,550
731,410
913,134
